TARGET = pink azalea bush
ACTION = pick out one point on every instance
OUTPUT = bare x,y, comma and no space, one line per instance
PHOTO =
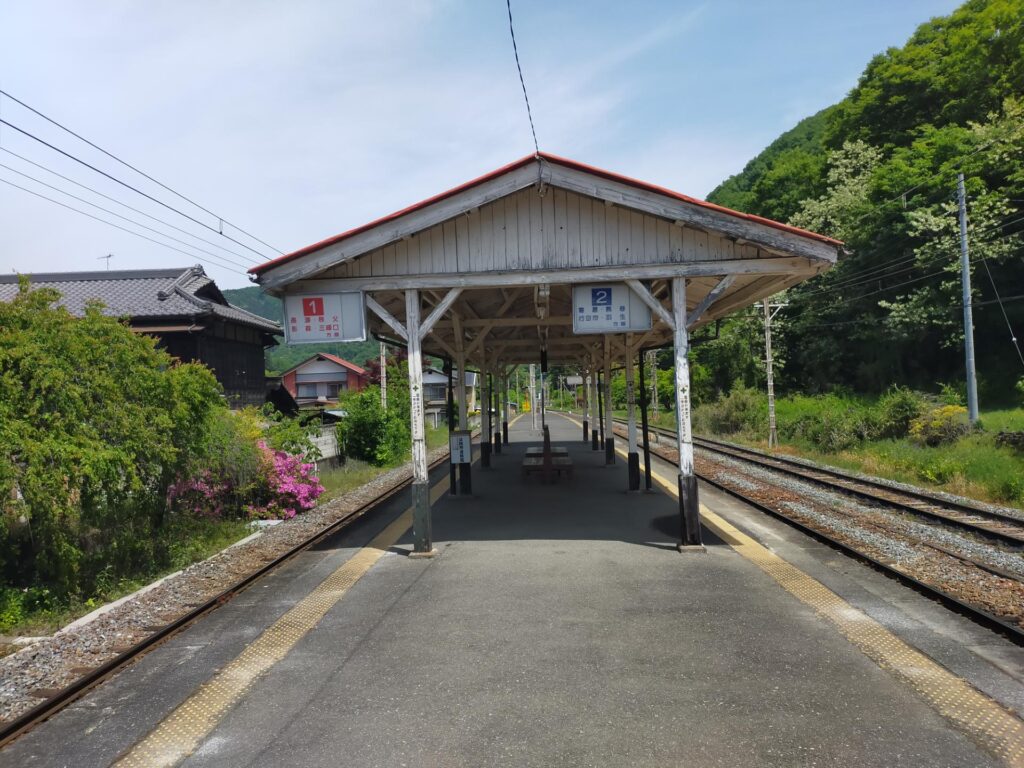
292,486
283,486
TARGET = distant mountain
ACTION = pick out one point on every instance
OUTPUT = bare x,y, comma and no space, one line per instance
283,357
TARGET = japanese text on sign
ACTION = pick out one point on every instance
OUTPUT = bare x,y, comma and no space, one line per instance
461,446
608,308
310,319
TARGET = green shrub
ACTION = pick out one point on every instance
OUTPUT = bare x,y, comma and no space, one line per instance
953,394
95,422
370,433
743,409
945,424
1012,489
897,408
940,470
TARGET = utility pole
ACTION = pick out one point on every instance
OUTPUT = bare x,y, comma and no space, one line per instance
965,277
773,433
384,377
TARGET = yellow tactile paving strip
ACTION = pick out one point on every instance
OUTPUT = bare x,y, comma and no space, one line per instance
989,724
178,735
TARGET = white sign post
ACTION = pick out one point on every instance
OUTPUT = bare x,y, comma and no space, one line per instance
460,444
608,308
314,318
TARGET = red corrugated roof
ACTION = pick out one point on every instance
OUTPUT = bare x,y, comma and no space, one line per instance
260,268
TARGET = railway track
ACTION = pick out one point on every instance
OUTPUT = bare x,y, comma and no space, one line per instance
50,706
998,526
1001,530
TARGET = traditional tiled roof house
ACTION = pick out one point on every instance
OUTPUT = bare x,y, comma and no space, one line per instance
184,309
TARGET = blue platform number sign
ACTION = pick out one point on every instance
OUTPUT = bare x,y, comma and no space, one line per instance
608,308
601,297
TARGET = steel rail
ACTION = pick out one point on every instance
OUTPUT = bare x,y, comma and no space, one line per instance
50,706
1002,527
960,507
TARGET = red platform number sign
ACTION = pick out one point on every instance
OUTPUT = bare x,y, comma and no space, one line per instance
311,319
313,306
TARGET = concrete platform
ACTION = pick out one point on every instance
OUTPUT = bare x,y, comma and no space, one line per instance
558,626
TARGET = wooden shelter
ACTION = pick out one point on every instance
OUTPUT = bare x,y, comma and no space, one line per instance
483,274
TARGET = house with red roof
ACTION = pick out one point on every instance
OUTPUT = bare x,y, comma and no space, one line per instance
322,378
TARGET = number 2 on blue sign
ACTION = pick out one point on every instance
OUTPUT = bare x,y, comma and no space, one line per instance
601,297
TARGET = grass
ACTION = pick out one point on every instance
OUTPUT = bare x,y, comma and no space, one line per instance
355,473
349,476
973,466
193,540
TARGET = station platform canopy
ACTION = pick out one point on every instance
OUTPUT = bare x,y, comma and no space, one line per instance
517,239
544,260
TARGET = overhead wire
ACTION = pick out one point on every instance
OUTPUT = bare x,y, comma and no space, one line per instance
522,82
137,170
112,224
124,218
132,188
119,202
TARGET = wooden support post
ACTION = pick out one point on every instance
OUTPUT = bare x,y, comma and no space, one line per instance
586,406
504,407
632,456
609,431
645,431
689,505
465,470
485,420
600,411
496,436
422,541
533,395
452,487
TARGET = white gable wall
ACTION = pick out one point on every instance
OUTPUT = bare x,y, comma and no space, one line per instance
524,231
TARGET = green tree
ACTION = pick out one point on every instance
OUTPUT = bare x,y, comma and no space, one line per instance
95,422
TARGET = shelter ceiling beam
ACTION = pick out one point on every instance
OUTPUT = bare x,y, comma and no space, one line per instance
439,310
748,294
789,266
387,317
508,322
645,296
709,299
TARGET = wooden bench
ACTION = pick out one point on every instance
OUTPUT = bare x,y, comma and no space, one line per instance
547,460
556,450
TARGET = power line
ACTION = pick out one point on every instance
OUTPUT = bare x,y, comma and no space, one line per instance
1013,336
138,171
872,274
119,202
129,186
123,218
112,224
515,50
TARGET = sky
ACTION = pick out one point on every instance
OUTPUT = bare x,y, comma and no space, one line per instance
296,121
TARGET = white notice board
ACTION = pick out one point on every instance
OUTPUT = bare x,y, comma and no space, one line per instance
461,445
608,308
312,318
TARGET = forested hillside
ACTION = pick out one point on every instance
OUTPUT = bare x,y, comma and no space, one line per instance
281,358
878,170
